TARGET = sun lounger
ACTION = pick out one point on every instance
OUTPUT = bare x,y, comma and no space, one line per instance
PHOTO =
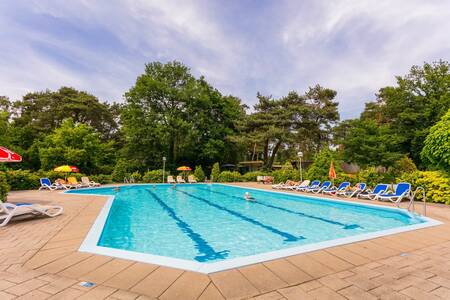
180,179
402,191
334,190
73,182
170,179
191,179
378,190
325,185
86,182
315,184
296,185
8,211
281,184
46,184
304,184
357,189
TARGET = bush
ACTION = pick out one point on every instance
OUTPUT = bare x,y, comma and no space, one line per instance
229,176
372,177
215,172
121,171
154,176
4,187
321,165
403,165
101,178
136,176
251,176
435,183
22,179
199,174
283,175
436,150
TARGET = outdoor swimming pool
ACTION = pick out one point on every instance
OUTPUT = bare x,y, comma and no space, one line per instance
211,227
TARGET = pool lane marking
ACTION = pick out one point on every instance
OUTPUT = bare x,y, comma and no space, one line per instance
345,226
287,236
200,244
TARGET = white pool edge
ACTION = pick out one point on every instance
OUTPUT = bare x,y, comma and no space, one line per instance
89,244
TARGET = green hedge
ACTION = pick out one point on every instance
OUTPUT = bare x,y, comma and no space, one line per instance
4,187
154,176
230,176
435,183
251,176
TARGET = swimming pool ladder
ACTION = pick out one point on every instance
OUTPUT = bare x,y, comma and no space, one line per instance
413,196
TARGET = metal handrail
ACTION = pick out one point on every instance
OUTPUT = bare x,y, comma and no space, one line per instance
424,197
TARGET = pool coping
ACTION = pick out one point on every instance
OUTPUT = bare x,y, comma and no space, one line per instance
89,244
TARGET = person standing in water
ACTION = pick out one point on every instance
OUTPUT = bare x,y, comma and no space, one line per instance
248,197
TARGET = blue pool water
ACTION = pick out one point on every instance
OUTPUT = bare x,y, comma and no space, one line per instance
211,223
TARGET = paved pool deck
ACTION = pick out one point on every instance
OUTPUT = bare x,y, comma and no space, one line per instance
39,259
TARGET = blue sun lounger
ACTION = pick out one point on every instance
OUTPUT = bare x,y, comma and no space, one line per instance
313,185
361,187
402,191
325,185
334,190
378,190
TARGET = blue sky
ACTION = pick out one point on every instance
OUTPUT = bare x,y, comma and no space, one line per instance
241,47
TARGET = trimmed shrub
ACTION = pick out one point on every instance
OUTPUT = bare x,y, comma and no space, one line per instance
136,176
215,172
101,178
22,179
4,187
251,176
199,174
321,165
435,183
154,176
283,175
121,171
229,176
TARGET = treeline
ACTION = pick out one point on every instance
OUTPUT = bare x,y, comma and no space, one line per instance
170,113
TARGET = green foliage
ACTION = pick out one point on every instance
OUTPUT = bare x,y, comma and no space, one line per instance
403,165
252,176
136,176
199,174
22,179
285,174
371,176
101,178
436,150
75,144
154,176
321,166
229,176
436,184
277,122
170,113
121,170
215,172
4,187
367,143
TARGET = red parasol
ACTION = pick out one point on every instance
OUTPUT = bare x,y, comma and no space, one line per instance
7,155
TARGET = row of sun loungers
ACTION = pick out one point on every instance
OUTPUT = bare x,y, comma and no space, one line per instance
380,192
72,183
191,179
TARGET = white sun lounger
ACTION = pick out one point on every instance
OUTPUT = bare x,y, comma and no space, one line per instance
9,211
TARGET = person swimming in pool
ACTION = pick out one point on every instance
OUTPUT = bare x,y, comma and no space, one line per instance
248,197
117,189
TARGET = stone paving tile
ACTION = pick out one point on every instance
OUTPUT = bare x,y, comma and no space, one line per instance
333,282
188,286
130,276
295,293
325,293
232,284
124,295
106,271
157,282
269,296
355,293
34,295
25,287
287,272
99,292
6,296
86,266
418,294
5,284
211,293
310,266
262,278
442,292
347,255
331,261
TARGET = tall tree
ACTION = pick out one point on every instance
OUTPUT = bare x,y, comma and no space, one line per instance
42,112
170,113
436,152
293,121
